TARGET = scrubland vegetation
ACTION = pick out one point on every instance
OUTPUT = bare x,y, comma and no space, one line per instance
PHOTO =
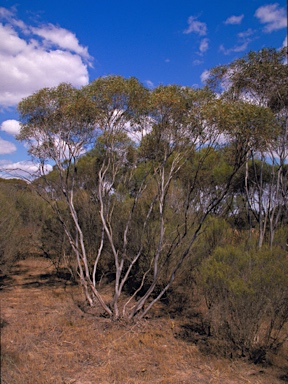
169,202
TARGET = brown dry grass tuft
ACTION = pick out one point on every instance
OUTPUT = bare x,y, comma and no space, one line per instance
47,338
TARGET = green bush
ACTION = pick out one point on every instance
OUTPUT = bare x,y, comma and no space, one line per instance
247,298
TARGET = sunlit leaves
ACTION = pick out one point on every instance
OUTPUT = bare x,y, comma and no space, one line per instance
119,103
259,77
58,123
161,164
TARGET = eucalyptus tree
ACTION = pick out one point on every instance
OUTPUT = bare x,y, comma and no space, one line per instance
261,78
139,177
58,124
151,151
149,218
192,132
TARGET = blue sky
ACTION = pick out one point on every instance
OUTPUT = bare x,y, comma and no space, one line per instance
43,43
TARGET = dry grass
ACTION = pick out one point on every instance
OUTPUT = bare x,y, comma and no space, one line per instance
47,338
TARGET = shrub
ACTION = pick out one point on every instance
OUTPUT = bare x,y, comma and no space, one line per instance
247,298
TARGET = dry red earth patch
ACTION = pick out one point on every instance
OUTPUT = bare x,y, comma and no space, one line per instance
47,338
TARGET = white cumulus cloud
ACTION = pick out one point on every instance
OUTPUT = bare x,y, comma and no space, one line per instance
244,39
11,126
6,147
32,58
204,45
149,84
249,32
21,169
197,62
274,17
196,26
237,48
61,37
234,20
205,75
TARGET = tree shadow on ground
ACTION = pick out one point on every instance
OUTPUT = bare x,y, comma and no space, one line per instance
284,377
58,278
193,332
6,282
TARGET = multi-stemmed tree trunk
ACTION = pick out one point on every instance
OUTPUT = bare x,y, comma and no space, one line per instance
153,181
261,79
